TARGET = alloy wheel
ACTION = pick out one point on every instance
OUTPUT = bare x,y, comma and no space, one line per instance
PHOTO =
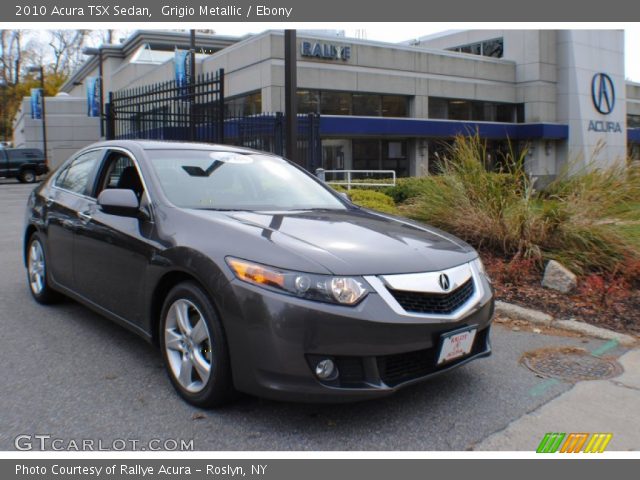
188,345
36,266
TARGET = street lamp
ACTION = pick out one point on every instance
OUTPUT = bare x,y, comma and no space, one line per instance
39,69
98,52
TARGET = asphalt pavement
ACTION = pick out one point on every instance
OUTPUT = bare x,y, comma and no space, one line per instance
73,375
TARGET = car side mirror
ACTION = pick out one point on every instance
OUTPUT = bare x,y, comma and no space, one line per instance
119,201
345,196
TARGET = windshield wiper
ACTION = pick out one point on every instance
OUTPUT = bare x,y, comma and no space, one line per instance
200,172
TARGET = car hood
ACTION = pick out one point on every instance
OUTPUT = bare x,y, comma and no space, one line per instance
351,242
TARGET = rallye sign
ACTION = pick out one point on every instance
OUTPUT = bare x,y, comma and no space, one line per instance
326,51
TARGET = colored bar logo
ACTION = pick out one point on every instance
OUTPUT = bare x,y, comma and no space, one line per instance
574,443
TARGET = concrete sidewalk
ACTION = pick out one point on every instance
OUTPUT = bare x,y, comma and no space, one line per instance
603,406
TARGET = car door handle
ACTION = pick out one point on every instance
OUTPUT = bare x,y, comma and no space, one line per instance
85,217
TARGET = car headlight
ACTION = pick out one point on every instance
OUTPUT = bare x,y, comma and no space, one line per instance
322,288
480,266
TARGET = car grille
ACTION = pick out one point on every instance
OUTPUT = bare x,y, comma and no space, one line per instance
434,303
403,367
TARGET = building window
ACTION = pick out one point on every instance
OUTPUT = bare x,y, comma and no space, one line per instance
487,48
474,110
395,106
335,103
381,155
633,121
308,101
366,105
459,110
244,105
328,102
493,48
366,154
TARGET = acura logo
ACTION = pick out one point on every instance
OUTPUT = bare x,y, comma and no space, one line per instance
603,93
445,283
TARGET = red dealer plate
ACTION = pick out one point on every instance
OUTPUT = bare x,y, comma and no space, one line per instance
456,344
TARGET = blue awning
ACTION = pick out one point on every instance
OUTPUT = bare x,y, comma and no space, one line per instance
335,125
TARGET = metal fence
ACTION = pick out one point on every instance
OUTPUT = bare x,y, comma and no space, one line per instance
168,111
267,132
195,112
358,178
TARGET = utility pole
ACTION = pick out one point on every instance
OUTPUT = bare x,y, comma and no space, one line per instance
192,85
40,69
290,94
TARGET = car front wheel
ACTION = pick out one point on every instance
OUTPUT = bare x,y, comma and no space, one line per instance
194,348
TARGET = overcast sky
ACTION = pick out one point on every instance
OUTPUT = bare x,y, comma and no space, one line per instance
397,32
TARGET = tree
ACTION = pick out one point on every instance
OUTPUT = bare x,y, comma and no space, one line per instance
67,46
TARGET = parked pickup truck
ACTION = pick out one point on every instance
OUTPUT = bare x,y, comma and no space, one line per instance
25,164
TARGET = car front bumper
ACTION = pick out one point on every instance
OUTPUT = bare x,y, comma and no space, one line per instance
275,341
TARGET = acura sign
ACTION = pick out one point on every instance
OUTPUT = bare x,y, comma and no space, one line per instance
603,93
603,96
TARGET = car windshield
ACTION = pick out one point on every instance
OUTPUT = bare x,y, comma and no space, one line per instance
213,180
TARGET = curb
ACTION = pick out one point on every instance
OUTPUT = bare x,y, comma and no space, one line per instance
516,312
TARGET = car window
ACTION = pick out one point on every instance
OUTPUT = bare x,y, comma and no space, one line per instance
119,171
24,154
235,181
78,175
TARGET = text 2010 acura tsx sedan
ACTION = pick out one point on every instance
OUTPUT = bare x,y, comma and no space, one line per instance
252,275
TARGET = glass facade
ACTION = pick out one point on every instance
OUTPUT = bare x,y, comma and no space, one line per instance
474,110
244,105
375,154
328,102
487,48
633,121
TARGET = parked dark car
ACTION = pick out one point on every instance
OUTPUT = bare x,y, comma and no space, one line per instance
25,164
252,275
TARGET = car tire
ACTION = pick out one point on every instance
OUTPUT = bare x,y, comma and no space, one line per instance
38,273
194,347
27,176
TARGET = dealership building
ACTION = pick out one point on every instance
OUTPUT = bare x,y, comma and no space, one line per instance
559,95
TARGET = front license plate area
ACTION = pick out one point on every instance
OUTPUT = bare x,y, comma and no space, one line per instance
456,344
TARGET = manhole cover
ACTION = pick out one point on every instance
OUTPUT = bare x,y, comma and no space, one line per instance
570,364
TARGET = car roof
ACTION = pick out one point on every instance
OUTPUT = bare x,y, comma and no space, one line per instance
175,145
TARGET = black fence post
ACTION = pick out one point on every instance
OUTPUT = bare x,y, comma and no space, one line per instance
314,145
221,107
278,134
110,119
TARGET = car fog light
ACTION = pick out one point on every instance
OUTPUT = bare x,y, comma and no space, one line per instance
326,369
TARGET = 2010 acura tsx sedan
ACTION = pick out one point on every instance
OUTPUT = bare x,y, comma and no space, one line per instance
252,275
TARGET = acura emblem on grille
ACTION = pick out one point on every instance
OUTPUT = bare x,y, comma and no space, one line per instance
444,282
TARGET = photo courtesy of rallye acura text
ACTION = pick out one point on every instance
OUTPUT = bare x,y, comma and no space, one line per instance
252,275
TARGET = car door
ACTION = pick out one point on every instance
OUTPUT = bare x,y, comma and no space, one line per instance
112,252
66,198
14,160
